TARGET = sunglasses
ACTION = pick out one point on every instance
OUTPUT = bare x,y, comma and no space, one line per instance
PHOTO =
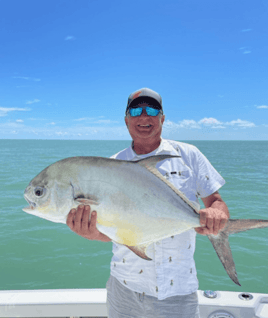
137,111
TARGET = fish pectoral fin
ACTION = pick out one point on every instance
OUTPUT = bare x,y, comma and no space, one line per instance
86,201
140,250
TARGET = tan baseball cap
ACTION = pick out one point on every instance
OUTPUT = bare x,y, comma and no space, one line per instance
146,93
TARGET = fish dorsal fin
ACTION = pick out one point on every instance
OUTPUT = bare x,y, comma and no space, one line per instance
149,163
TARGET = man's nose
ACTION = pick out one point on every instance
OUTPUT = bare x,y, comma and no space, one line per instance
144,112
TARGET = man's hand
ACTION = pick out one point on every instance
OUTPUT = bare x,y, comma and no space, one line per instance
78,222
212,221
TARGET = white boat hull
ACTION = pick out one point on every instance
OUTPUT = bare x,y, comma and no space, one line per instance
92,303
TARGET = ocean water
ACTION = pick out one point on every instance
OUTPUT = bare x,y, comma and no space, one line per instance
38,254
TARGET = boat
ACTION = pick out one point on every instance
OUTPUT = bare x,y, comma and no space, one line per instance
84,303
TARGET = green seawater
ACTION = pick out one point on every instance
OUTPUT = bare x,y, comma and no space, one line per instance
38,254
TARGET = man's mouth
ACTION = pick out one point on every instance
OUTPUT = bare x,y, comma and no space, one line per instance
145,126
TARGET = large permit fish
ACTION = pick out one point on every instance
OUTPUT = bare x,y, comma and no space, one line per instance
136,206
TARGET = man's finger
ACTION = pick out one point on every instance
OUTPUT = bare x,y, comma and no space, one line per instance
79,213
93,221
216,226
223,222
70,219
201,230
78,217
85,218
210,223
203,218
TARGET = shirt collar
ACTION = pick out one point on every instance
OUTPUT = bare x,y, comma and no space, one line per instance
164,148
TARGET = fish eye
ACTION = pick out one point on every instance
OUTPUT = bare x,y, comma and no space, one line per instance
39,191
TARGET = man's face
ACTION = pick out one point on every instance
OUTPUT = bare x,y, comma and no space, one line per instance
145,128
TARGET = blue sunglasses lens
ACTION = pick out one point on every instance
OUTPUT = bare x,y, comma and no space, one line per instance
152,111
134,112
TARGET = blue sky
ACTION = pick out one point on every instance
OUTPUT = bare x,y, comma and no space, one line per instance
67,67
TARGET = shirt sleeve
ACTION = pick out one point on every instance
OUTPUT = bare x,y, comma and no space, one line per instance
208,180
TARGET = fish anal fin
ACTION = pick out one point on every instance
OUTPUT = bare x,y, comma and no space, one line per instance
222,248
140,251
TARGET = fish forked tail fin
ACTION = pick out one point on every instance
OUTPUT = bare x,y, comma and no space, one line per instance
222,247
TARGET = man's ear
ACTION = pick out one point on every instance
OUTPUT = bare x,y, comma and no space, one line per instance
163,119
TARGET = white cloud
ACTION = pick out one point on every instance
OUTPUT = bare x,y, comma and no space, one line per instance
69,37
29,102
186,123
105,121
10,125
209,121
52,123
245,50
97,120
4,110
36,118
240,123
214,123
262,107
65,132
80,119
28,78
19,121
87,119
170,124
22,77
189,124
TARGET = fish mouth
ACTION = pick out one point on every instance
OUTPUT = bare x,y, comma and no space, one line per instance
31,206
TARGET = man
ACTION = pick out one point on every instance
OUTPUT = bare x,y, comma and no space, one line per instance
167,285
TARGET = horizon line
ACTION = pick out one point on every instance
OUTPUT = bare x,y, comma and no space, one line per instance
131,139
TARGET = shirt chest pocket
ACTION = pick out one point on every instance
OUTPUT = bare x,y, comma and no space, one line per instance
183,180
